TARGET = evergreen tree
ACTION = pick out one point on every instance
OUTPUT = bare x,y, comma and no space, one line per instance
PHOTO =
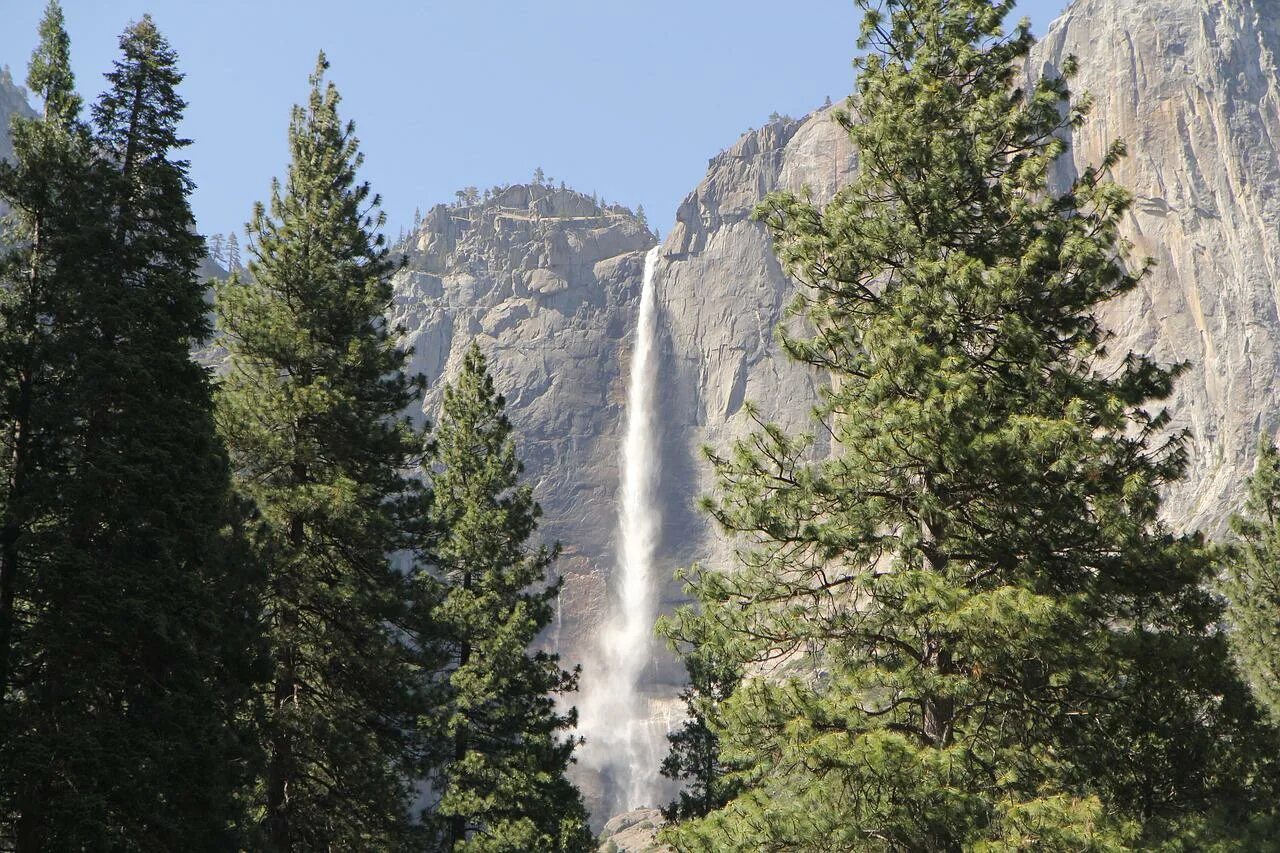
233,253
501,786
312,412
217,250
976,630
137,615
695,749
51,164
1252,583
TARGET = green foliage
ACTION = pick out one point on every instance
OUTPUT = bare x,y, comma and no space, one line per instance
132,608
312,414
970,629
501,782
1252,583
695,748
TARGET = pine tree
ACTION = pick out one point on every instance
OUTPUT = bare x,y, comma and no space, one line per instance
1252,582
217,251
312,412
695,748
51,164
138,618
233,253
975,629
501,785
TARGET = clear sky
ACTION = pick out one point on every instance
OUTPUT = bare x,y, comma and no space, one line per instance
628,99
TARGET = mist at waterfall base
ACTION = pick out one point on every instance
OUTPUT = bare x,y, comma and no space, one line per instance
625,730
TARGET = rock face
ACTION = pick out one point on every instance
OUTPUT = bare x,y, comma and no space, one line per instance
722,294
13,101
1193,87
548,283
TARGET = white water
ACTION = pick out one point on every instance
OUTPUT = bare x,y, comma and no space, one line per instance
623,741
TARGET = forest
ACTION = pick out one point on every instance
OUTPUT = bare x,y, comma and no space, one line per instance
265,607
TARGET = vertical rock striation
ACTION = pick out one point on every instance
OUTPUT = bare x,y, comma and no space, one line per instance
1193,88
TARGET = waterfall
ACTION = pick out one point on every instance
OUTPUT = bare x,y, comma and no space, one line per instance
624,740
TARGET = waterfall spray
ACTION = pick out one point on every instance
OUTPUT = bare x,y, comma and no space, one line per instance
622,737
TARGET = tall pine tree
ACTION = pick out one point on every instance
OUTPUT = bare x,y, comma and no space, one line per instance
968,628
137,615
501,783
312,411
45,186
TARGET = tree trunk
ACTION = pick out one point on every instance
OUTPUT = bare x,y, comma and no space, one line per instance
280,764
938,711
458,823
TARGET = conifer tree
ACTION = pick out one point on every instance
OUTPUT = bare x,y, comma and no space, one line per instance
138,616
1252,582
312,412
695,749
969,626
501,785
217,250
233,252
51,165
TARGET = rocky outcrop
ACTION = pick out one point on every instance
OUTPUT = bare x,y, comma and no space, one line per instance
1193,88
633,832
548,283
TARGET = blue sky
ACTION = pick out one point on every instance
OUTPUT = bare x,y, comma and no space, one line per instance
627,99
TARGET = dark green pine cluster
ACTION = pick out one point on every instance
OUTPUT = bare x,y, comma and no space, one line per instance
231,615
967,626
128,612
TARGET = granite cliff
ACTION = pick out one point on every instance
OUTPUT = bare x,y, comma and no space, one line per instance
548,282
1193,88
